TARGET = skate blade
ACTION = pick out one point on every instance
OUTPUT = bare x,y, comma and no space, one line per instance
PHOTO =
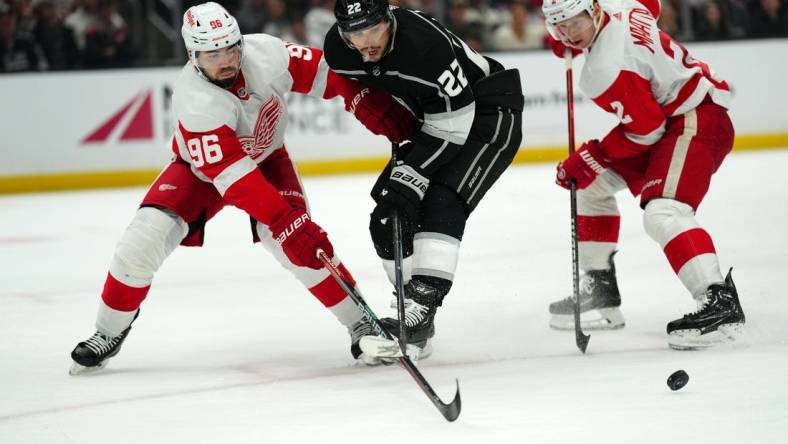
598,319
415,353
388,349
78,369
693,340
368,361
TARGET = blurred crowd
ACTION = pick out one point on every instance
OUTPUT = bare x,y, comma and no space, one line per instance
38,35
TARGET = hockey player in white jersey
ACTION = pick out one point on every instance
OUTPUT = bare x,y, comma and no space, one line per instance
673,134
231,113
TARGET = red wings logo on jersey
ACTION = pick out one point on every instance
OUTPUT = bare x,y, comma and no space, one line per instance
264,129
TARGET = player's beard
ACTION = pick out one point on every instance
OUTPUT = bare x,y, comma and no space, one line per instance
227,81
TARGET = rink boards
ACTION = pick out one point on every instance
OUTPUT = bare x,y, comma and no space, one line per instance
94,129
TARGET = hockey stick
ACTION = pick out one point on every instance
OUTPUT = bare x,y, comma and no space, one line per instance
399,280
449,411
581,339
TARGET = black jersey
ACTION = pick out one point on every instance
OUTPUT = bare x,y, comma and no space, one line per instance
430,71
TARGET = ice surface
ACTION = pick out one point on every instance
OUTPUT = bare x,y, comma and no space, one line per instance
230,349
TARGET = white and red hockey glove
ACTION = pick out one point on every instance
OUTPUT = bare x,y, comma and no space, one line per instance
300,238
582,166
381,114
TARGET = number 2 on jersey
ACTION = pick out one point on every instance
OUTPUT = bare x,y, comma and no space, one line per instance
205,149
618,107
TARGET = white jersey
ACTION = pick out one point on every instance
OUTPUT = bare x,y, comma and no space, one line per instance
642,75
224,133
254,108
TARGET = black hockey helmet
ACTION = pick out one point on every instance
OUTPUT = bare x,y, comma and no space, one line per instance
355,15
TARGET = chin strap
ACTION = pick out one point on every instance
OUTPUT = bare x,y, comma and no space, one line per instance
598,24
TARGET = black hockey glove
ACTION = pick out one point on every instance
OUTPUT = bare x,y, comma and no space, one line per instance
402,193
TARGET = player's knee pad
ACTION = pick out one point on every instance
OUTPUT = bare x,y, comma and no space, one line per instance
382,234
150,237
665,218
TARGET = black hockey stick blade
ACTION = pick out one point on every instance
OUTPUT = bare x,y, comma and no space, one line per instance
581,339
449,411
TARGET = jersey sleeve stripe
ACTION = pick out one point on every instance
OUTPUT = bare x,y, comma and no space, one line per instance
183,152
432,24
476,58
647,139
350,72
417,80
321,79
683,95
472,55
233,173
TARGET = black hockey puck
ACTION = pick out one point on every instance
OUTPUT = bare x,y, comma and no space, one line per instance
677,380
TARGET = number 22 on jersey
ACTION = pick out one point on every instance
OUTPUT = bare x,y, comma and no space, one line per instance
204,149
453,79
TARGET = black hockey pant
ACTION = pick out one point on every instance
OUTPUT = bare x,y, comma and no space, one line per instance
457,187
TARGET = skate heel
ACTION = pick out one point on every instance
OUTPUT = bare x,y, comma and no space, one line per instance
732,331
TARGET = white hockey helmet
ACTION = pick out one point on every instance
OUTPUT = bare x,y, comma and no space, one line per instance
207,27
556,11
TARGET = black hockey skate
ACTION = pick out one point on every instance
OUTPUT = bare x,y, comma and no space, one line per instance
421,304
599,303
719,320
94,353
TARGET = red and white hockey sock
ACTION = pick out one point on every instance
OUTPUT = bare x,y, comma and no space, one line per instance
334,298
119,304
598,221
687,246
693,258
597,238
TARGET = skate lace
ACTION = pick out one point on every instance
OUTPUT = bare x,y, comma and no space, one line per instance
414,312
101,344
359,329
703,305
587,285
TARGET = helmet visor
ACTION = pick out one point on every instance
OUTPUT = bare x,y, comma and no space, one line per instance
571,29
369,36
220,58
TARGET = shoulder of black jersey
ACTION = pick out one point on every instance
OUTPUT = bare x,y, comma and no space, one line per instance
417,33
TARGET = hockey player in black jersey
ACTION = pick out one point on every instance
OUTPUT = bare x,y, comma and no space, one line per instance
470,109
